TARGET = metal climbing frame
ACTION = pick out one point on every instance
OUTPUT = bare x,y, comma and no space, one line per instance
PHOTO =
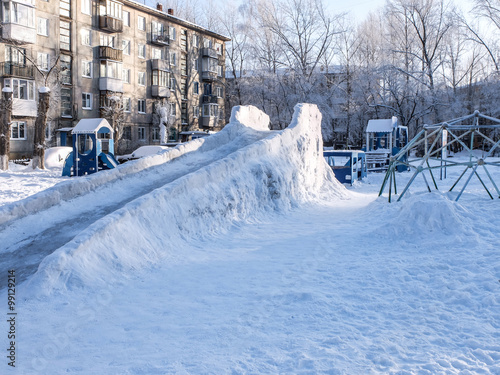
436,140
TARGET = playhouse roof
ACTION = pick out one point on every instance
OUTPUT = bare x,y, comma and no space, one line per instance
382,125
90,125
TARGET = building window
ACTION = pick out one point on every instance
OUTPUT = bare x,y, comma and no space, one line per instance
114,9
196,41
43,61
87,7
86,100
86,36
141,106
141,23
183,88
219,70
157,53
65,8
207,43
218,91
141,79
18,130
107,40
142,51
141,133
196,64
15,55
111,69
172,57
161,78
127,133
172,83
126,105
66,102
184,113
21,88
126,75
65,35
172,109
210,110
48,131
65,68
218,48
43,26
126,18
155,134
172,33
196,88
126,47
196,111
87,69
18,13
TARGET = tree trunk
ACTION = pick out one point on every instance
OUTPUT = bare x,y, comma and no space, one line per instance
40,125
5,119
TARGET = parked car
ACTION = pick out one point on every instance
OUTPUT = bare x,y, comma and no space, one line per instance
141,152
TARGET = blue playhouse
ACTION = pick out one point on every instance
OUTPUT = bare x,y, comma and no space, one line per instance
384,138
93,148
347,165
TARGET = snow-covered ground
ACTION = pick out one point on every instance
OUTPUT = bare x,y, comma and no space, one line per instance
271,267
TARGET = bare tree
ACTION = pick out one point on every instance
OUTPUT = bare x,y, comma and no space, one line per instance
113,112
5,120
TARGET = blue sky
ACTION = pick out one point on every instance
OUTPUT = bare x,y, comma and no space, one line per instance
361,8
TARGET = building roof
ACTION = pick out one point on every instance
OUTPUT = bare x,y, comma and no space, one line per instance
382,125
90,125
172,18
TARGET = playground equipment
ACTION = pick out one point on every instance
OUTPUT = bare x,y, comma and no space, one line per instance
465,132
384,138
93,148
347,172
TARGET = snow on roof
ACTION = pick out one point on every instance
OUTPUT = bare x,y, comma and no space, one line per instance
64,129
382,125
90,125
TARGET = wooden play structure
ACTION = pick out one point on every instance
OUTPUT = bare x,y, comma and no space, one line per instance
384,138
93,148
347,165
465,133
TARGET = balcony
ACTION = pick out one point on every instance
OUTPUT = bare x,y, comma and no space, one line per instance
160,91
160,38
209,122
160,64
209,99
113,25
209,52
208,76
15,70
109,53
110,84
20,33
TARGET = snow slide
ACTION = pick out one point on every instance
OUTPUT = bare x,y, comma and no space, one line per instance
278,172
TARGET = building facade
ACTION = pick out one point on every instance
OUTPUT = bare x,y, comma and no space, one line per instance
120,59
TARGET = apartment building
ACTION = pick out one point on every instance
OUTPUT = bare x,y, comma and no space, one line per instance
105,50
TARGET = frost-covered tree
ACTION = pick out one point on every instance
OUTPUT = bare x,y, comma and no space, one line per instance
165,119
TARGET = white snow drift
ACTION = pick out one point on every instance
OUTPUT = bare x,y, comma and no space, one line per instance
275,173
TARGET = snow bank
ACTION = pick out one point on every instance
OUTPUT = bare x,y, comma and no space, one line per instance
55,156
70,189
276,173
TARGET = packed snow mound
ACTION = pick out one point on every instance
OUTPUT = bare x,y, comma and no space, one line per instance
281,171
55,156
424,214
247,123
250,116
